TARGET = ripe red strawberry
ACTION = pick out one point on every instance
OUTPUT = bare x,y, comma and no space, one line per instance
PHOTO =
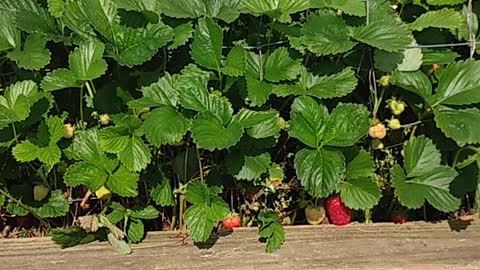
232,221
338,213
398,218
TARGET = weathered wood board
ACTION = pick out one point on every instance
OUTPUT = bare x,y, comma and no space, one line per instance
419,246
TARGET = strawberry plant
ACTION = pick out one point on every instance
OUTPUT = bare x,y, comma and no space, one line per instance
156,115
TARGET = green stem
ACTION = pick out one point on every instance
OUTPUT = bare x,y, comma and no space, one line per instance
231,200
377,105
457,155
180,219
89,90
28,209
200,165
81,108
14,130
220,81
164,60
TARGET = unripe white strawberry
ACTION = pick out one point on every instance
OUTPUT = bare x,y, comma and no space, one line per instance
40,192
68,131
377,131
104,119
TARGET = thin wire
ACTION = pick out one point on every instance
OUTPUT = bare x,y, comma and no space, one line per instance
443,45
261,46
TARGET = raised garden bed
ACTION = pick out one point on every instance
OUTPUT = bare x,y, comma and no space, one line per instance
386,246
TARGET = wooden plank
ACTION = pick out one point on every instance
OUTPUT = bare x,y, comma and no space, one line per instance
416,245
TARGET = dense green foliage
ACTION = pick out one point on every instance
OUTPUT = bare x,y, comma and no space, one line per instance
190,109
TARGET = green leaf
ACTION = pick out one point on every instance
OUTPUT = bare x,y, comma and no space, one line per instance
443,18
33,55
198,224
33,18
248,167
86,61
161,192
259,124
15,105
135,230
83,173
416,82
207,44
25,151
72,236
384,31
350,7
433,186
322,40
444,2
438,56
347,124
248,118
102,15
86,146
336,85
319,171
56,206
387,61
146,5
59,79
421,156
138,45
197,192
10,37
148,212
271,231
266,129
74,18
235,63
114,139
461,125
207,209
136,156
195,96
119,245
226,10
258,92
182,34
56,7
49,155
165,126
360,193
459,84
123,182
161,93
209,133
279,9
412,59
308,121
55,128
280,67
360,167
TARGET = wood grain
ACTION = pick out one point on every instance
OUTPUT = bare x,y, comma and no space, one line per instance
416,245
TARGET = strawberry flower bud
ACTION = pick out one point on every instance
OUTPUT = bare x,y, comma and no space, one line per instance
394,124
